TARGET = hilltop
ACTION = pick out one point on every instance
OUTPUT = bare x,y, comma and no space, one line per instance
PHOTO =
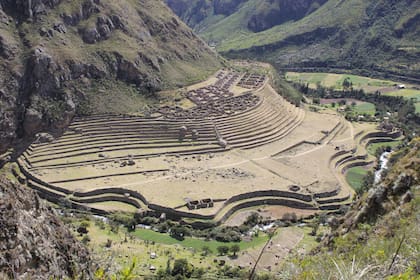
64,58
374,36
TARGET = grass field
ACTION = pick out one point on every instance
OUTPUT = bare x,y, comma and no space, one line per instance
336,80
369,85
195,243
407,93
365,108
355,177
373,147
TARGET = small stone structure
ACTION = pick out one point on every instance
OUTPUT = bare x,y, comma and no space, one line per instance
199,204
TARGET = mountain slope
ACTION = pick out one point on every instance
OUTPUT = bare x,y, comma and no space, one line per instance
379,237
34,242
375,35
60,58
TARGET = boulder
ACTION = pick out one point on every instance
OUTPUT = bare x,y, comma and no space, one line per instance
43,138
32,122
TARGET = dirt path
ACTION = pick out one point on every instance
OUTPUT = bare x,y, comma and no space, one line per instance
277,250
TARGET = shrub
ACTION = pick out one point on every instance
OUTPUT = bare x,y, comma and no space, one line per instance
222,250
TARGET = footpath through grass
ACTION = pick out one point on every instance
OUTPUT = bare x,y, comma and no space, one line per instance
355,176
195,243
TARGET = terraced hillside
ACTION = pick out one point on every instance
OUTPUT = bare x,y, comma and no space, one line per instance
236,144
66,58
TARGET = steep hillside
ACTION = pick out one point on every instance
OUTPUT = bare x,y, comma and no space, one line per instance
379,238
380,36
60,58
34,242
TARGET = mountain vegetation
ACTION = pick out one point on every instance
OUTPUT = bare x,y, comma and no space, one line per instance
369,37
64,58
378,238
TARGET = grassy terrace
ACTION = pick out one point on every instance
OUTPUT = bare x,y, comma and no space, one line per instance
373,147
355,177
196,243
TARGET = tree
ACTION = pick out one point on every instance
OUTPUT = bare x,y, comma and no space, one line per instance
223,250
182,267
235,249
82,230
179,232
252,219
367,182
347,84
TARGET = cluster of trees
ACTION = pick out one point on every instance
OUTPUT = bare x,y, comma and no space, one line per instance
180,231
403,110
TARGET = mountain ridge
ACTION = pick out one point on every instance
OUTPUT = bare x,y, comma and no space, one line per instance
64,58
374,35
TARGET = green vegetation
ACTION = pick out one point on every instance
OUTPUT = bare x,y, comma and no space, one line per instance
372,148
195,243
324,35
383,245
406,93
335,81
355,177
364,108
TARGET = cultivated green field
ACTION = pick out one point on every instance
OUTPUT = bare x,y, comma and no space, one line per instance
196,243
369,85
336,80
407,93
365,108
355,177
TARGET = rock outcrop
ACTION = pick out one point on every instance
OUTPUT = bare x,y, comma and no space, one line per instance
58,58
34,242
390,194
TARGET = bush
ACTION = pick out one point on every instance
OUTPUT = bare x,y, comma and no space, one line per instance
182,267
86,239
222,250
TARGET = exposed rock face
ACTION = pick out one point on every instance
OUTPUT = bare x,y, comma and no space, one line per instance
53,54
393,192
34,243
266,14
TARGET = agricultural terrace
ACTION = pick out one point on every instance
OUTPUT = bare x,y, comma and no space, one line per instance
230,143
369,85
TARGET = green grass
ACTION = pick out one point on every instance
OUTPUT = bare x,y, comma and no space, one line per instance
336,80
354,177
365,108
417,105
373,147
407,93
195,243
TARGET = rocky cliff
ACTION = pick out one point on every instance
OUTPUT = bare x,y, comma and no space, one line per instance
59,58
34,242
263,14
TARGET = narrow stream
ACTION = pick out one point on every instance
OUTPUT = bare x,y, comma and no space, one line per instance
383,162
